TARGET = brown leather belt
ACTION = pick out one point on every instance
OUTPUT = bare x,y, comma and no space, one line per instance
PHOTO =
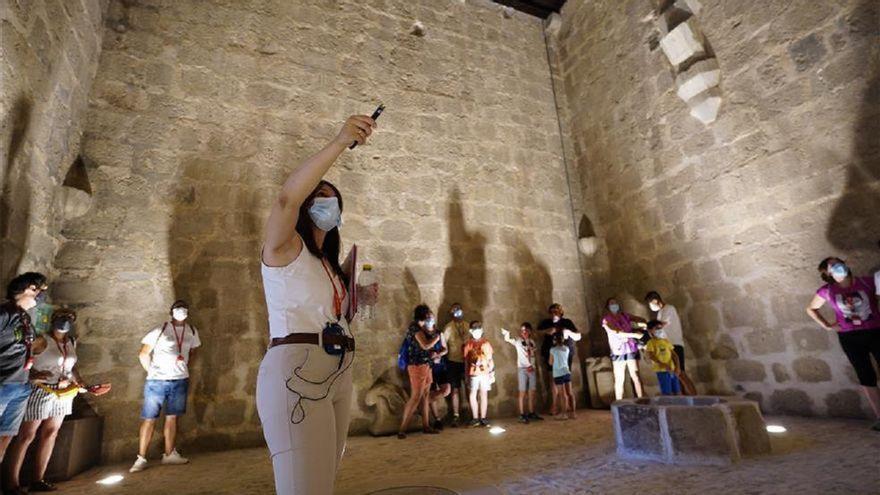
346,342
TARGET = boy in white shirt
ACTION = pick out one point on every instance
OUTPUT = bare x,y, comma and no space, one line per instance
525,363
165,355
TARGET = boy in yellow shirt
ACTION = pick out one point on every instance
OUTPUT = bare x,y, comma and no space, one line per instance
661,352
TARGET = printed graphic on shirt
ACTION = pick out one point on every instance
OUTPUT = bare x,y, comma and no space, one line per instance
855,306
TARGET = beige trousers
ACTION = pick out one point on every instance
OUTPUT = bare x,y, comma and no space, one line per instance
304,401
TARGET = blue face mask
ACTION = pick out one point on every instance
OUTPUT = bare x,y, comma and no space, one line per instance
614,308
839,271
325,213
458,313
429,323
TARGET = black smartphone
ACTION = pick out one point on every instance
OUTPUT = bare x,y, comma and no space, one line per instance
375,116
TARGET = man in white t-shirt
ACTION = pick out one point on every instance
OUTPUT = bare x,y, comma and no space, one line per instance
165,355
670,323
525,364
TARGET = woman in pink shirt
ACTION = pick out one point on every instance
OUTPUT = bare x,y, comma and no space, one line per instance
624,347
857,322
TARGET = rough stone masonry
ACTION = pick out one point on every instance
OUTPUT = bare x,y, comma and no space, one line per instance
191,113
729,220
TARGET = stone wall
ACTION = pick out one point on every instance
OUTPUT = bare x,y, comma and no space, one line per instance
48,57
200,109
729,220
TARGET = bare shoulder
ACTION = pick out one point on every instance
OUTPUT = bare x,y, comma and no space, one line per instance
284,254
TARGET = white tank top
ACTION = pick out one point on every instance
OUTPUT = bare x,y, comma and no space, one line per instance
53,361
299,296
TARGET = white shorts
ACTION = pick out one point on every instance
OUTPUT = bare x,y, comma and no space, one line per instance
481,382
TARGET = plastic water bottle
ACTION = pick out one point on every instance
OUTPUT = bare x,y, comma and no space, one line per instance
369,292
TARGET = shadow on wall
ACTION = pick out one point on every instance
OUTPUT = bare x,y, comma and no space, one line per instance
530,291
15,190
465,278
855,223
213,251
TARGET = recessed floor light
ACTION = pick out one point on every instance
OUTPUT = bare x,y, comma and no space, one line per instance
776,429
496,430
110,480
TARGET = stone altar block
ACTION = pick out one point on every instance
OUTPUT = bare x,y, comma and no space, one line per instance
704,430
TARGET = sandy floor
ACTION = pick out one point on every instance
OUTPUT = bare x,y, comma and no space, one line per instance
552,457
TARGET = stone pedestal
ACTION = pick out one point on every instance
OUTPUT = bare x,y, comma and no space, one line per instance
703,430
600,380
77,448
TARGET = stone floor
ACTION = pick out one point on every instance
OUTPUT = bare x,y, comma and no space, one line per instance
815,456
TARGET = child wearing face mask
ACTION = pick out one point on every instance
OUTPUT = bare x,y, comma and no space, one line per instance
857,322
663,358
562,377
165,356
481,373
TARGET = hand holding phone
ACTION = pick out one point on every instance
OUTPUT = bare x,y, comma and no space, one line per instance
375,116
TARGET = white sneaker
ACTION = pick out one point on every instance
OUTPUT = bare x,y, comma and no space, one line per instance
174,458
139,465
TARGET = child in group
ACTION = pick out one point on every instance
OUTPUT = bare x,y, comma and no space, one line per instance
562,376
481,372
525,363
662,354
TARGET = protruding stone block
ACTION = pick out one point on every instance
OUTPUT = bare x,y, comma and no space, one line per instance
75,202
589,245
683,43
699,77
676,13
705,106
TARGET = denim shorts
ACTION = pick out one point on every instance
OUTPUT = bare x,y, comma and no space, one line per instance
562,380
170,393
13,400
527,380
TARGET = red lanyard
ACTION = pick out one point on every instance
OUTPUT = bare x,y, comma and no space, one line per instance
63,351
338,295
179,340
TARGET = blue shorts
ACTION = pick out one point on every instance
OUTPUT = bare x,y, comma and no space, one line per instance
13,400
669,384
170,393
562,380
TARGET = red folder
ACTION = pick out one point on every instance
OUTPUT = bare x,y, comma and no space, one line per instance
349,266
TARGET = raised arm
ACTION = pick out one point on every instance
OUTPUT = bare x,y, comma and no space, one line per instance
618,331
281,246
813,310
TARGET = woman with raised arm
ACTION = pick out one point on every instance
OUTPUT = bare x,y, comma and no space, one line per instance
304,385
622,339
